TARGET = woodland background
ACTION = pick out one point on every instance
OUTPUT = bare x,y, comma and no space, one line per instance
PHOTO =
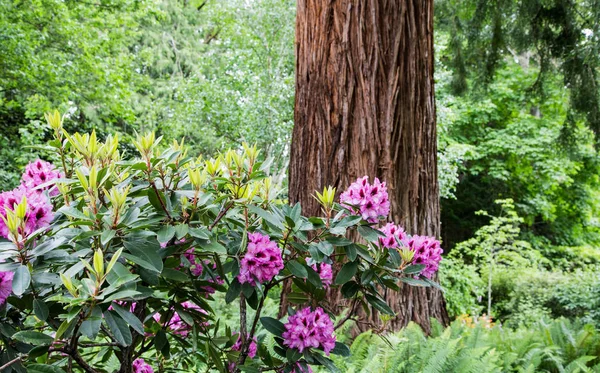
517,114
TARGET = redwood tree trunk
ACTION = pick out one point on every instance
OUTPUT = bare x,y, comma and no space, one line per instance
365,106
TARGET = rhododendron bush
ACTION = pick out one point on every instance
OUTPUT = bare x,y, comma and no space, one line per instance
110,260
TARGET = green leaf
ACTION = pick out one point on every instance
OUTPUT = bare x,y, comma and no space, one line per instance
234,291
33,337
297,269
341,349
351,252
346,273
47,246
413,281
215,357
350,288
292,355
379,304
40,309
121,295
106,236
326,363
370,234
37,352
91,326
272,325
129,318
416,268
43,368
325,247
267,216
145,253
200,232
21,280
165,234
175,275
214,247
118,328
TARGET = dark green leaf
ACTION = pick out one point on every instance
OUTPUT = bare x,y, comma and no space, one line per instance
349,289
370,234
118,328
297,269
272,325
43,368
40,309
346,273
234,291
341,349
416,268
292,355
129,318
145,253
33,337
379,304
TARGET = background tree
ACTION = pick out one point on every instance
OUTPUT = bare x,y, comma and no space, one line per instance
365,106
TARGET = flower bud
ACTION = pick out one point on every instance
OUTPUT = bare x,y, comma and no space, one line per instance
213,166
327,198
407,255
55,121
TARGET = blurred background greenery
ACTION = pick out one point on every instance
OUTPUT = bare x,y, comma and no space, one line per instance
517,109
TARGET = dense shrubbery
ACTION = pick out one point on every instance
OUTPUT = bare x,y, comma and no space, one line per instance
469,346
110,262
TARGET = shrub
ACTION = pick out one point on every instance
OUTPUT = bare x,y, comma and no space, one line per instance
110,261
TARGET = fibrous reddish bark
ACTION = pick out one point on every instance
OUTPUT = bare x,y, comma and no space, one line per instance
365,106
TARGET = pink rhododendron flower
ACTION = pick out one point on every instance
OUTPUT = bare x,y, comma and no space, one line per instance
306,329
427,252
325,272
369,200
393,235
39,209
251,349
262,261
176,324
38,173
196,268
5,286
298,369
140,366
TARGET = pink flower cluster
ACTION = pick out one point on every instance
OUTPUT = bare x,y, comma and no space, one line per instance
5,286
427,252
38,173
176,324
262,261
393,235
39,209
196,268
325,272
251,349
140,366
369,200
298,369
306,329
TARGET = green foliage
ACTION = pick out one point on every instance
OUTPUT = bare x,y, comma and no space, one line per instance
513,152
113,274
556,346
185,68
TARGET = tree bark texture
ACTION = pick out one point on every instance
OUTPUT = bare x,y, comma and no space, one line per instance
365,106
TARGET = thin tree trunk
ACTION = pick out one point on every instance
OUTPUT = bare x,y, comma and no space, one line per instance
365,106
